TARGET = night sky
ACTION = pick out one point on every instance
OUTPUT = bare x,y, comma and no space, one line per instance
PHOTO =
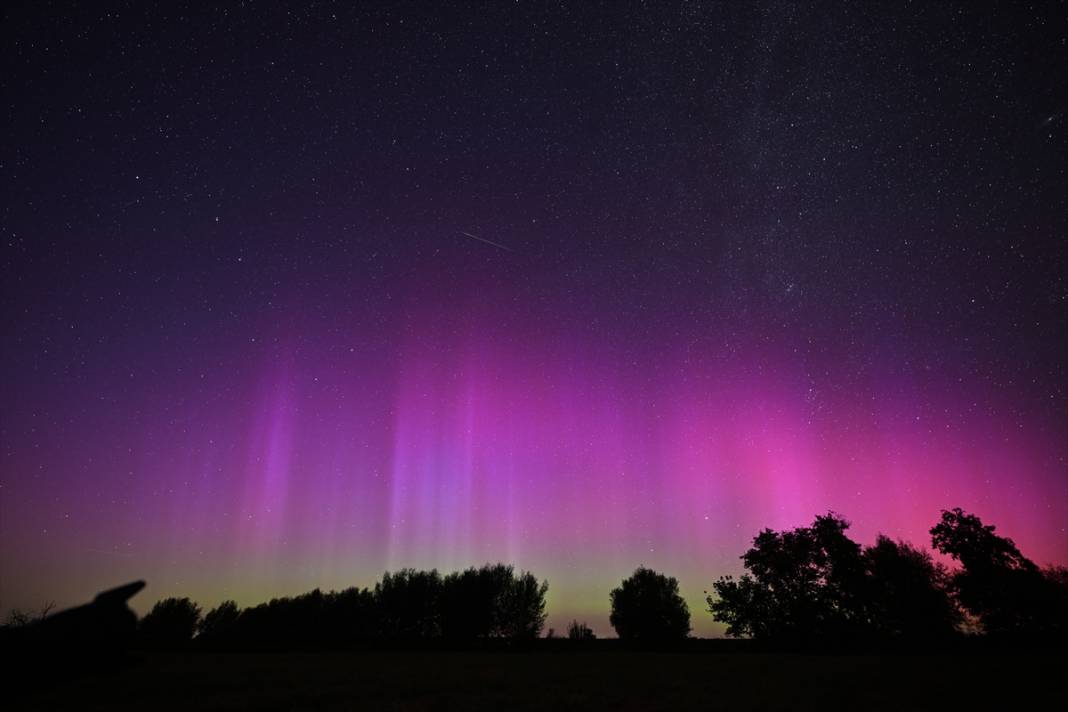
293,296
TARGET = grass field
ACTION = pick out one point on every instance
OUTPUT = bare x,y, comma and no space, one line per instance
580,680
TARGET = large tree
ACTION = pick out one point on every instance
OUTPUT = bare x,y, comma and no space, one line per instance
1004,589
805,583
522,611
907,593
647,607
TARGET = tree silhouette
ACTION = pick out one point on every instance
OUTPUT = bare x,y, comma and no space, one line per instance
311,620
579,631
522,613
907,592
492,602
471,601
964,537
815,584
171,623
219,623
647,607
349,616
407,604
261,626
1005,590
803,584
298,621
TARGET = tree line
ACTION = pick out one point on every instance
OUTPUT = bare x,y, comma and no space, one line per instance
491,601
804,586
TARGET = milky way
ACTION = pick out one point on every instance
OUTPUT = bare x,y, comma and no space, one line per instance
292,298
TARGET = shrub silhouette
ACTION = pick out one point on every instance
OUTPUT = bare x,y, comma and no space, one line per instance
579,631
647,607
997,584
17,618
171,623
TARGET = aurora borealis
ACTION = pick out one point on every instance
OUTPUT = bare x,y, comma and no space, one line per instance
751,264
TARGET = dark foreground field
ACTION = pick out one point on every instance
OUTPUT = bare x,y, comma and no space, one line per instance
600,679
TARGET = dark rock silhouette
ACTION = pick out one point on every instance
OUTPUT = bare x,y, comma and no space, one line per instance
89,638
104,626
647,607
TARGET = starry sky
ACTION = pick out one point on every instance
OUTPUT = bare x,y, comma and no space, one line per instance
293,295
